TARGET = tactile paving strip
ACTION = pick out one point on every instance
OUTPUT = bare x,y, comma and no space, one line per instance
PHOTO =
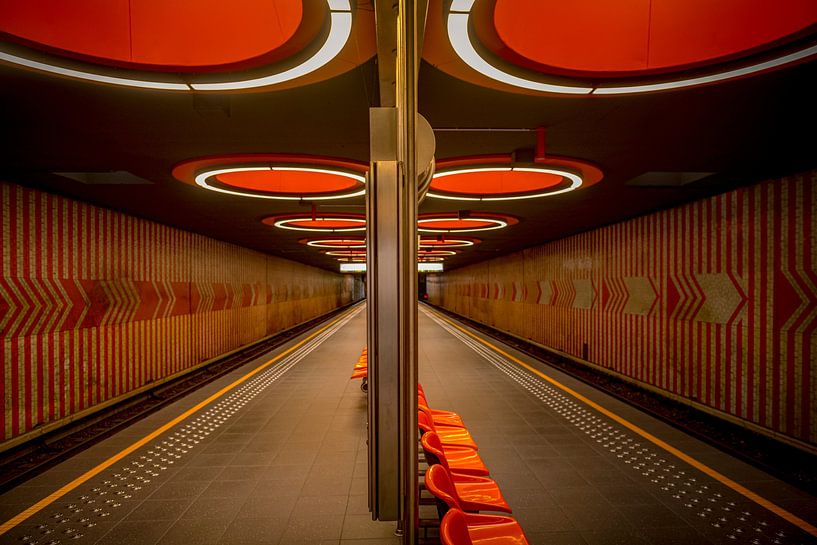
76,516
727,514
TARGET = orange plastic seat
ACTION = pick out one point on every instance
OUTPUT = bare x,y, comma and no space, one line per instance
458,528
449,435
361,369
422,401
441,418
461,460
464,492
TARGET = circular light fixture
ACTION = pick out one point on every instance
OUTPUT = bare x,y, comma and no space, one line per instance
335,243
502,183
346,253
320,223
276,176
282,182
435,253
498,178
454,223
444,242
422,259
465,43
333,41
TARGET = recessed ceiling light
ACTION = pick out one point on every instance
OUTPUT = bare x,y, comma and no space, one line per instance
461,41
209,178
453,223
335,242
435,253
340,28
335,223
346,253
501,187
447,242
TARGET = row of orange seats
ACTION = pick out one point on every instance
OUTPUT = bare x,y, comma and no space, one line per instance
458,479
361,369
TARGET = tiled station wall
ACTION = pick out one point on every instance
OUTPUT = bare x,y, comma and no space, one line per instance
714,301
95,303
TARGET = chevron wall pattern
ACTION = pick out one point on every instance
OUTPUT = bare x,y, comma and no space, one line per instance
95,303
714,302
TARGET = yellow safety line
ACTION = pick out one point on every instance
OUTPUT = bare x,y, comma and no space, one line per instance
54,496
740,489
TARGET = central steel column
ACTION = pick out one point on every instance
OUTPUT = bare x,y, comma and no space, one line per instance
402,149
407,59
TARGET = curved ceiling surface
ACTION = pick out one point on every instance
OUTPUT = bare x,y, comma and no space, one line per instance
205,46
592,47
597,36
194,35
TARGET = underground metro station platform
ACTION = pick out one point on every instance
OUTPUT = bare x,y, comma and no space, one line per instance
416,272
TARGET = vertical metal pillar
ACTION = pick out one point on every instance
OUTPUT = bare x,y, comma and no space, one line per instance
407,72
392,199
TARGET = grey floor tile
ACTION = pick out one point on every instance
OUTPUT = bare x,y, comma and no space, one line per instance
198,532
259,531
151,510
362,526
135,533
306,526
555,538
179,490
212,509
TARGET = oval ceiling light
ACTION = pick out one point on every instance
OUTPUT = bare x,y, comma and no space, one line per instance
492,39
271,176
335,243
498,178
444,242
333,39
460,39
502,183
458,223
435,253
318,223
346,253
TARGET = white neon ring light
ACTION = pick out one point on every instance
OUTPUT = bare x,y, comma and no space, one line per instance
322,243
436,253
457,243
460,40
575,183
344,253
340,28
283,224
497,224
202,180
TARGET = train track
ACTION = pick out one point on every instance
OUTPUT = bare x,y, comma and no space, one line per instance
786,462
26,461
